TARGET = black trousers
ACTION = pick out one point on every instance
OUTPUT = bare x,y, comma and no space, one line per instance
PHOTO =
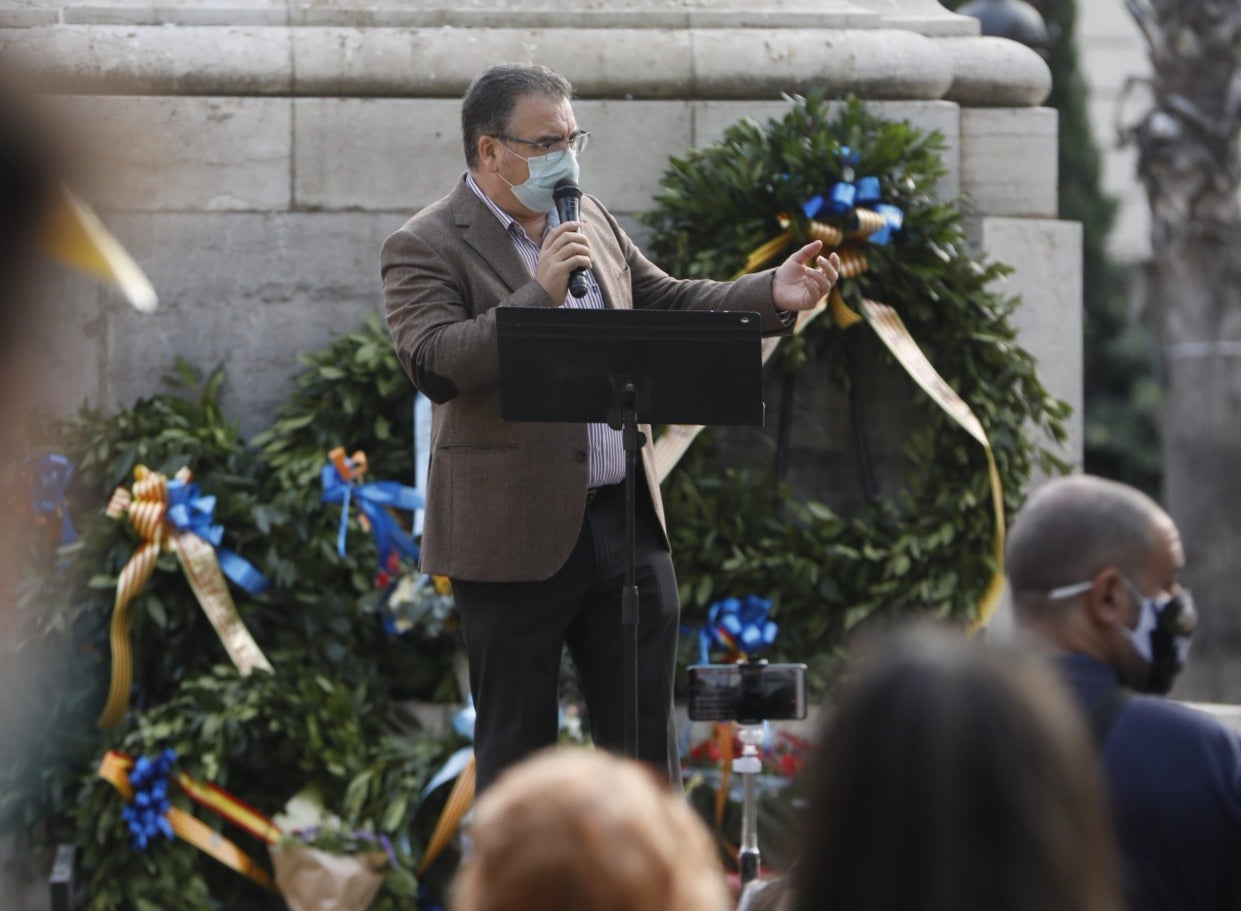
515,631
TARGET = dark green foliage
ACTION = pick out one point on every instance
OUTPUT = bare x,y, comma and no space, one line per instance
927,550
262,738
68,600
350,394
327,717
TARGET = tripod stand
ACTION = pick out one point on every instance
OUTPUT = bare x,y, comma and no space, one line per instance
748,765
749,693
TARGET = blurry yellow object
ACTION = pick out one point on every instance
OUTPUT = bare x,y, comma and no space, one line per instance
78,238
459,800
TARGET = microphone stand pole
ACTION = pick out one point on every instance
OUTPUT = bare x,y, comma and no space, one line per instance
633,441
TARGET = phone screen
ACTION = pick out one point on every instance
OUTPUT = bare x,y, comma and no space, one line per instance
747,693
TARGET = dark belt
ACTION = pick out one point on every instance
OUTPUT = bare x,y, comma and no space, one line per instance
593,493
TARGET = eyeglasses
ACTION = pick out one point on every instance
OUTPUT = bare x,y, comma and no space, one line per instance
577,142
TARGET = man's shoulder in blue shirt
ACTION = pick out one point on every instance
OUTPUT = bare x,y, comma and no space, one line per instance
1173,776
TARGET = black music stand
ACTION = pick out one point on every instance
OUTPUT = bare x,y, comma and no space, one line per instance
625,367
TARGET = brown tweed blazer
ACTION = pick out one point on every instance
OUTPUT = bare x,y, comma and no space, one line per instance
505,500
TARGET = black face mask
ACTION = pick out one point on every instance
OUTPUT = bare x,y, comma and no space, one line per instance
1175,623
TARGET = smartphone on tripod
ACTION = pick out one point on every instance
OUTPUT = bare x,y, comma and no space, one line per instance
748,693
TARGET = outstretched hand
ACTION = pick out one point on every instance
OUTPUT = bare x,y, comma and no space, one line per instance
805,278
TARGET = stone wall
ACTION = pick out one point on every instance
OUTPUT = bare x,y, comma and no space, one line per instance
253,157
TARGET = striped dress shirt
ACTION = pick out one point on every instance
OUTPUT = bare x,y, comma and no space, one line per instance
607,451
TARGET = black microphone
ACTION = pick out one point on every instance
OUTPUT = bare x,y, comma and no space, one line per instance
568,197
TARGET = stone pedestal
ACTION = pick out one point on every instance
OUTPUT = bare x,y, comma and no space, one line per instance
925,16
254,154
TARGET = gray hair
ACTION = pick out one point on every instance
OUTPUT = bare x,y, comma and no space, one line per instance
492,96
1073,527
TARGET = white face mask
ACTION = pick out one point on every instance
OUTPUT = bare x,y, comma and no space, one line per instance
1162,636
535,192
1140,636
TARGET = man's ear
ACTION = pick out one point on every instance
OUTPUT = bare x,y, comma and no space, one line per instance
488,154
1105,602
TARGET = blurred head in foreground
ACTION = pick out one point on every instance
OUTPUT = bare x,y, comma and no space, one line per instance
28,187
581,830
29,181
950,778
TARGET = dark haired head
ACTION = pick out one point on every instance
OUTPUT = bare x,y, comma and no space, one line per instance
492,96
27,187
953,778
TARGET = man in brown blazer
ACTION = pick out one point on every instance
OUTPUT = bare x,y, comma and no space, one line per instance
527,519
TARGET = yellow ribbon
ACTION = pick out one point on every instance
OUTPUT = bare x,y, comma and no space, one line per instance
459,800
675,439
765,251
77,237
115,770
674,442
895,336
893,333
147,508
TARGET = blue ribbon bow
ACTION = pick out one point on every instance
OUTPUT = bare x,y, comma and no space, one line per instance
146,815
843,199
189,510
847,195
52,474
374,498
867,191
739,624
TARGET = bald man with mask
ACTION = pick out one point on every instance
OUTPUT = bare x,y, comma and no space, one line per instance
1093,568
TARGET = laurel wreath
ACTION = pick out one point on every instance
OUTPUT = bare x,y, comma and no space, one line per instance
925,551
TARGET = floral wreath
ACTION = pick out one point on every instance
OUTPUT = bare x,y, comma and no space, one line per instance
865,187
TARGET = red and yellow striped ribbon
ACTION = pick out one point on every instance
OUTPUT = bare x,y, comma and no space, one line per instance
765,251
115,770
723,733
226,805
868,222
351,468
853,262
829,235
147,508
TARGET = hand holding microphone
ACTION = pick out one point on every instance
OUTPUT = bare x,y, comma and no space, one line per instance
568,197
